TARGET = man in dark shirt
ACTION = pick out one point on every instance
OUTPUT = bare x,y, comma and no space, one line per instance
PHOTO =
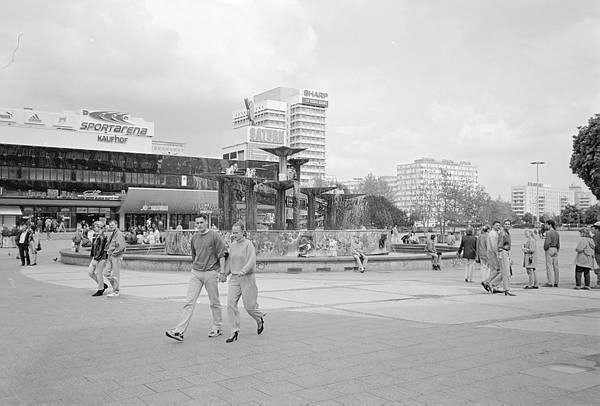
551,247
596,228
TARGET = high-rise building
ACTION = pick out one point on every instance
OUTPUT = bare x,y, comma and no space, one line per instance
301,113
583,198
412,178
550,200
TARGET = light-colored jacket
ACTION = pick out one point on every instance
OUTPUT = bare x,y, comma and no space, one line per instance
529,249
116,244
585,253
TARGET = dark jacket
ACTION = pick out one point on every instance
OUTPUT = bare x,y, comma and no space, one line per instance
27,237
469,244
98,251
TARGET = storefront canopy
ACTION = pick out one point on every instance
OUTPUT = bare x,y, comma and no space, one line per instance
10,211
177,201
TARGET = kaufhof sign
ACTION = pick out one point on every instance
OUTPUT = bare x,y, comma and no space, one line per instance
112,123
266,135
316,98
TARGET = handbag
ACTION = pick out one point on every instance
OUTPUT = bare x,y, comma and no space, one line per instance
39,246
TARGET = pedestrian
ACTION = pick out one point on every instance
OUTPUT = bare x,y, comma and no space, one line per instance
77,237
115,248
22,239
504,245
208,256
431,250
552,247
48,228
529,249
596,237
468,250
584,259
241,263
358,253
34,245
482,255
99,257
492,256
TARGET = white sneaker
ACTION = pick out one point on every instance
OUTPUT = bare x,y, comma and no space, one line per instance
215,333
113,294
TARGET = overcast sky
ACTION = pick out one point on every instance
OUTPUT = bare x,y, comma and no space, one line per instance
497,83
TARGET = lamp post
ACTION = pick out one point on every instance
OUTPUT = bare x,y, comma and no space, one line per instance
537,186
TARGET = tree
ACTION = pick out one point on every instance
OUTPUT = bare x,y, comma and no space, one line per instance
571,215
497,210
381,213
527,218
592,214
373,186
585,160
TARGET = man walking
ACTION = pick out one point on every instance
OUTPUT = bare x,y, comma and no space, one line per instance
99,256
551,247
482,247
208,257
492,256
115,247
504,244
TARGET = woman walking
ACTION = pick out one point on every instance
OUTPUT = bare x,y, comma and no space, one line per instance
584,260
241,265
529,249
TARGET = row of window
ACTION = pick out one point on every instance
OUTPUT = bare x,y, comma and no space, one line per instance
89,176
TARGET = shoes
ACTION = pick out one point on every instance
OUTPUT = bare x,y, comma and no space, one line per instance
33,264
174,335
535,287
556,285
577,287
507,293
547,285
233,338
362,270
485,286
528,287
497,291
260,327
113,294
99,293
586,288
215,333
466,280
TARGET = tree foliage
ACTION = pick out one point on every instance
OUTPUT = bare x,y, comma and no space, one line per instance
592,214
527,218
585,160
381,213
571,215
375,186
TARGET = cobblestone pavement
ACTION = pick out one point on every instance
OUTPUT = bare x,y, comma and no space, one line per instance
409,337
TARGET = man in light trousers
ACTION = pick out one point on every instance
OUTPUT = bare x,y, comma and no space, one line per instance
208,256
115,248
551,247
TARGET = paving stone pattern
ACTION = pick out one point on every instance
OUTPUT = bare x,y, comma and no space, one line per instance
61,346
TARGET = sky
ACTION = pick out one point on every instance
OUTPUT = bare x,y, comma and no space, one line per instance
495,83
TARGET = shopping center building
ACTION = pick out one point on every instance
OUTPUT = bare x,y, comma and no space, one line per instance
90,165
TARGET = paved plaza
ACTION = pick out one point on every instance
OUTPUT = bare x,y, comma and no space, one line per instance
379,338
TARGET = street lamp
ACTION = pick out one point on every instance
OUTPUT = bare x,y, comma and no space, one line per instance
537,186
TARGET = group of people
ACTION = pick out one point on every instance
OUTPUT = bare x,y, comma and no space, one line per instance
213,260
492,250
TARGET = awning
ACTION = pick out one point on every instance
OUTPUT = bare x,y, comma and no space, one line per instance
177,201
10,211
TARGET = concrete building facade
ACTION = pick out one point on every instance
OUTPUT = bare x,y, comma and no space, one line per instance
550,200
